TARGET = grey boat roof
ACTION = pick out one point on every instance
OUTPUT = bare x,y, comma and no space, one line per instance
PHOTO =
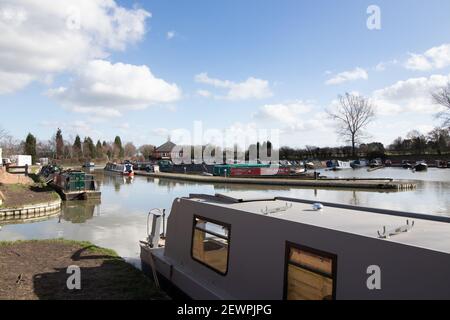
429,232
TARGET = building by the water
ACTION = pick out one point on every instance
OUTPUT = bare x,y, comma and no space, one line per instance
164,152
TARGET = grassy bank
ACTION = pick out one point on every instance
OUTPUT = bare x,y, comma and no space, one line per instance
38,270
18,195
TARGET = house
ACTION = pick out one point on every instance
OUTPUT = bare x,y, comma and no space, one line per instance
164,152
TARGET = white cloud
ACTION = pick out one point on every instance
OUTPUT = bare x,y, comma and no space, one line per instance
298,116
252,88
432,59
170,35
44,37
382,66
286,113
353,75
72,128
409,96
12,81
204,93
105,89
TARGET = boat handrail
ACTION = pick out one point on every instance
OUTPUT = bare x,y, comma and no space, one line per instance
231,200
404,214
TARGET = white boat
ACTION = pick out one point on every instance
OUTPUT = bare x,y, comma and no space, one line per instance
125,169
375,163
342,165
218,247
89,165
362,163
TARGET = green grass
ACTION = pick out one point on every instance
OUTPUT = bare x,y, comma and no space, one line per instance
15,187
85,244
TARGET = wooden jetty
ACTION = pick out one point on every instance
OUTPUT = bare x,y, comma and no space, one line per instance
352,183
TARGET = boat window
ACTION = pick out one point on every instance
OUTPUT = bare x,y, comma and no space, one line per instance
210,244
310,274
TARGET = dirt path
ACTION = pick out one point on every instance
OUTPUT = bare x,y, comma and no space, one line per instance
38,270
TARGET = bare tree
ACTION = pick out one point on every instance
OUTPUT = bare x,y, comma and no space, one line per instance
352,116
442,97
147,151
3,133
130,150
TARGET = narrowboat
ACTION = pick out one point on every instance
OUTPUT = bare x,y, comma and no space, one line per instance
339,165
375,163
125,169
310,165
89,165
406,164
251,170
421,166
75,185
225,248
359,164
442,164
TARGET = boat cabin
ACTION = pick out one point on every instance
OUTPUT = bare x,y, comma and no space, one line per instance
72,185
219,247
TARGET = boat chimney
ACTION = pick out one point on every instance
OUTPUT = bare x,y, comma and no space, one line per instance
155,235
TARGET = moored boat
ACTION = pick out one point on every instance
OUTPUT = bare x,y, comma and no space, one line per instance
359,164
293,249
310,165
252,170
125,169
421,166
406,164
75,185
89,165
442,164
340,165
375,163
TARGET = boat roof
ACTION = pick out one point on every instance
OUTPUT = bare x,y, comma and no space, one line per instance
430,232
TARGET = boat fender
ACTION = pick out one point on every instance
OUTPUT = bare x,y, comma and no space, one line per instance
317,207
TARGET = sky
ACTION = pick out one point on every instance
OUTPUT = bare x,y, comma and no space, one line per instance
147,70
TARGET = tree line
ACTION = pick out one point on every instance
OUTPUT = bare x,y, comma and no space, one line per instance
435,143
78,150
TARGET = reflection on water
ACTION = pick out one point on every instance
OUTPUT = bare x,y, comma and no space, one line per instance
119,221
80,211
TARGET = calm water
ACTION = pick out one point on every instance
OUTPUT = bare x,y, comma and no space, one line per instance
119,221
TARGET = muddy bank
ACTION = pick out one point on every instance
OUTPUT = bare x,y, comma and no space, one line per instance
18,195
37,270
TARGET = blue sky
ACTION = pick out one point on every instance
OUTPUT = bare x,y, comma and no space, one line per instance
289,49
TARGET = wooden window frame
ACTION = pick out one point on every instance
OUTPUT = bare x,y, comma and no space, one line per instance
287,262
219,223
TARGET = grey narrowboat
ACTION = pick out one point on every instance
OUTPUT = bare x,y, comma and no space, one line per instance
218,247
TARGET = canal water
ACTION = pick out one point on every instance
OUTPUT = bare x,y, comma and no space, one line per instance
119,221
